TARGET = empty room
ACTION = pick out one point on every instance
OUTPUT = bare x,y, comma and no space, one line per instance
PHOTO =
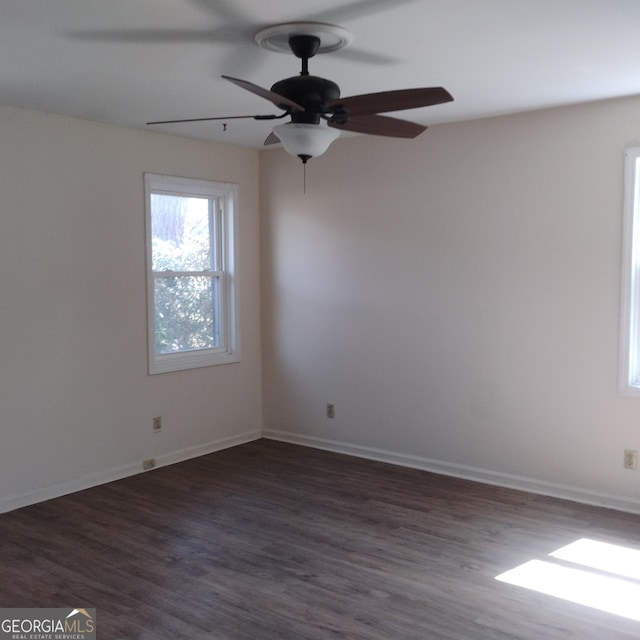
320,320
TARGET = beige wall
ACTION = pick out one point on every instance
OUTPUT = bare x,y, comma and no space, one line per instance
76,402
457,298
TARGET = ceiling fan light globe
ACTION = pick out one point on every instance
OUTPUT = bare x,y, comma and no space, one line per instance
301,139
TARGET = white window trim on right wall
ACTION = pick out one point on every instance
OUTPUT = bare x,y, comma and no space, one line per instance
629,375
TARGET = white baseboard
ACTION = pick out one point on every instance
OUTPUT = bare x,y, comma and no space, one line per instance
204,449
521,483
93,480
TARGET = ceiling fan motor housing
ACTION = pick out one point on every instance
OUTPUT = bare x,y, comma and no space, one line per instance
311,92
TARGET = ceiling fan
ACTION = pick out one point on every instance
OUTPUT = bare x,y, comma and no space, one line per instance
315,107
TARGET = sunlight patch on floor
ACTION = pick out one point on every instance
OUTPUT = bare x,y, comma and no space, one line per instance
605,576
612,558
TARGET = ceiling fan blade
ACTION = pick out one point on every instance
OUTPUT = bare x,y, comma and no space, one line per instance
371,103
381,126
277,99
224,35
225,9
266,117
361,56
357,9
272,138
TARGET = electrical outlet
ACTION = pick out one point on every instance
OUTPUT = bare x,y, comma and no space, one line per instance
630,459
148,464
157,424
331,410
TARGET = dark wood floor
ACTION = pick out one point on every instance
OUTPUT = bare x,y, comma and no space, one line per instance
269,541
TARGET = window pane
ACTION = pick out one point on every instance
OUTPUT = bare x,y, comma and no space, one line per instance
181,233
186,313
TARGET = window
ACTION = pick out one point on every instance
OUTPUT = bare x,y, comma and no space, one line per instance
630,300
190,273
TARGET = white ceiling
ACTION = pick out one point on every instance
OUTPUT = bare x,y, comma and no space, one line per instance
131,61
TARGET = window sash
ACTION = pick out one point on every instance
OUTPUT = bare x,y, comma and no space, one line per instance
168,273
214,289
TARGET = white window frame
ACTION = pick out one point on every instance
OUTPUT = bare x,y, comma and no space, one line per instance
226,195
629,376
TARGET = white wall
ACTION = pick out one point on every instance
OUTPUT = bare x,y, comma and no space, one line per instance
457,298
76,402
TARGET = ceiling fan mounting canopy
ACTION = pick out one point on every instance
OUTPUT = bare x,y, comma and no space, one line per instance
277,37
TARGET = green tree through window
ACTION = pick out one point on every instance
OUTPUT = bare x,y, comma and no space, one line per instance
186,278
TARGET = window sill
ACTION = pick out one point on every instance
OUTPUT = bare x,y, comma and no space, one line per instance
192,360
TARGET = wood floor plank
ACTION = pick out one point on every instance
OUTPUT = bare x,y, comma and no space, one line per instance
269,541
